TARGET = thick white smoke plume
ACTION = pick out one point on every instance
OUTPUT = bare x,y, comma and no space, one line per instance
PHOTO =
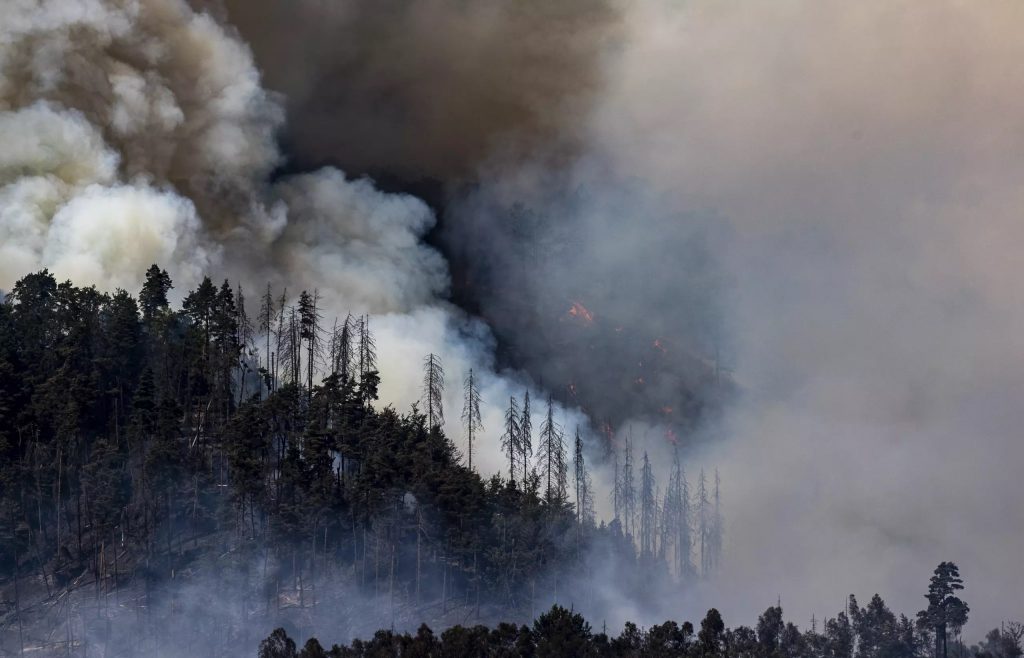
96,96
138,132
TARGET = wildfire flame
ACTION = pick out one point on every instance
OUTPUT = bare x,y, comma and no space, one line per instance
671,436
666,410
660,346
572,389
578,310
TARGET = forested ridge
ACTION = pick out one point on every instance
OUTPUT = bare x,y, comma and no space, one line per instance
189,477
871,631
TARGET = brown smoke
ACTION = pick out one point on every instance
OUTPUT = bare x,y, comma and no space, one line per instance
427,87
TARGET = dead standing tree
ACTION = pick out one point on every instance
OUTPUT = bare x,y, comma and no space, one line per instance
471,414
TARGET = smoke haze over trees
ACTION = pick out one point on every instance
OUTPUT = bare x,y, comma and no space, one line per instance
160,473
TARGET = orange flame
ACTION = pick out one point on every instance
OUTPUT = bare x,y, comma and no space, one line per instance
578,310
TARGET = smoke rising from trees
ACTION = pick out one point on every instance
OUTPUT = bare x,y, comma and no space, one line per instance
859,168
826,193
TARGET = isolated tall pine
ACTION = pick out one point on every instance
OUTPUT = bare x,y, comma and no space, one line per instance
946,613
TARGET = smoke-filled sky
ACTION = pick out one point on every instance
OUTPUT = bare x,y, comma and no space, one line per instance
867,159
828,190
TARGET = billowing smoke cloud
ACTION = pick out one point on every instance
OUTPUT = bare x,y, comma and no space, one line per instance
139,132
434,88
357,242
862,165
108,234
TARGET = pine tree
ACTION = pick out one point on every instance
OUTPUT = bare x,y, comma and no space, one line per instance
225,334
551,457
526,434
946,612
471,414
584,497
199,306
717,529
367,353
367,360
510,439
341,349
648,507
627,491
280,336
704,525
265,319
433,390
153,298
244,340
242,321
676,525
309,331
616,486
291,351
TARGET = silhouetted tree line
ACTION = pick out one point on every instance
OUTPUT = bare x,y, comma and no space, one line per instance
873,631
135,436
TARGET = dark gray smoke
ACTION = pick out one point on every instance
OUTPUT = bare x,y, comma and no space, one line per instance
427,88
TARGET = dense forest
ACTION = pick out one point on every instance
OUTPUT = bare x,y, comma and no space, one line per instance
219,470
873,631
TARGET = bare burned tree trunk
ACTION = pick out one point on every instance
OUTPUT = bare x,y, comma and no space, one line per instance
433,390
471,415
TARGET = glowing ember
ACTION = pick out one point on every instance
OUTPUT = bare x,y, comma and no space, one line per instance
578,310
660,346
666,410
671,436
639,381
572,389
